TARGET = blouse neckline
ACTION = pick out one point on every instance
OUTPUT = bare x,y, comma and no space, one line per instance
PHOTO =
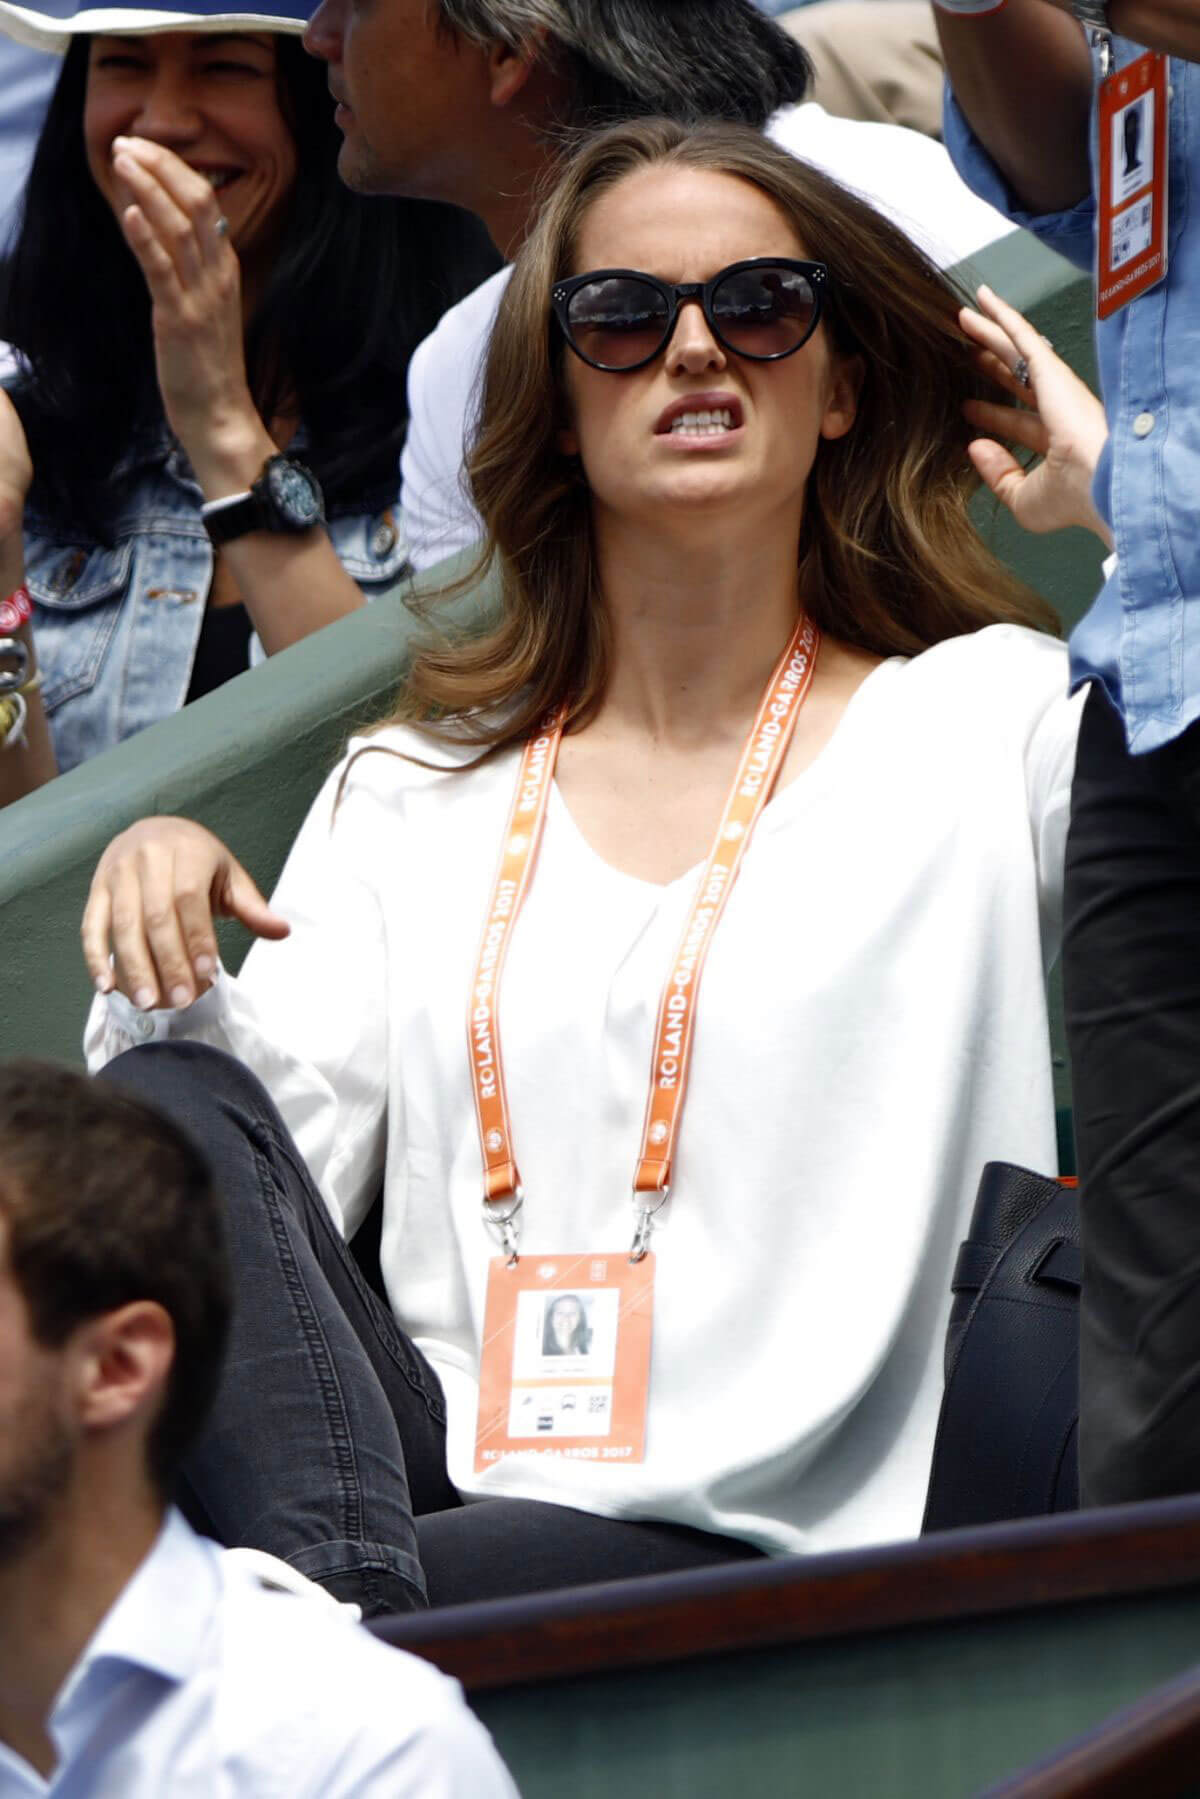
777,812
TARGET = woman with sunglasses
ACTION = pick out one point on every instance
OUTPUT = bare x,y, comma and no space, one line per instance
594,1013
209,338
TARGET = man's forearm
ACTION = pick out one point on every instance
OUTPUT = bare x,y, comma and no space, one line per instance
1170,25
1023,78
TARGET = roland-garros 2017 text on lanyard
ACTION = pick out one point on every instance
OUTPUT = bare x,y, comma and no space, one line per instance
758,770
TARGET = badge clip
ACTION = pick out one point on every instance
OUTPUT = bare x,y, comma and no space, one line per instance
502,1224
644,1228
1101,42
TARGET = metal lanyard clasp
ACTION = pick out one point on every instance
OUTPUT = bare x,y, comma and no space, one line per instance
643,1229
503,1224
1102,45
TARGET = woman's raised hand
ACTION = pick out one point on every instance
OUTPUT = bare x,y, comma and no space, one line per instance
174,228
1059,418
16,470
154,895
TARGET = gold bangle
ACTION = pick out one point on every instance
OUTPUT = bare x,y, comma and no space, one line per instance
34,682
12,720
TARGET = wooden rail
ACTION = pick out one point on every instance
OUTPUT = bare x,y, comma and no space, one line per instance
1035,1563
1150,1749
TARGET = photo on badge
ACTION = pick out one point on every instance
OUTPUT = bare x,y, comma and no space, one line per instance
566,1332
1132,148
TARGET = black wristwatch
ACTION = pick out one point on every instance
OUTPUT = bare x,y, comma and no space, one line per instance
286,497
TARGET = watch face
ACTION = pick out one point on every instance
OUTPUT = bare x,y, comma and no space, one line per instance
295,494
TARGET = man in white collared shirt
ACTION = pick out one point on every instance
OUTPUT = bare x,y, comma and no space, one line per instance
138,1659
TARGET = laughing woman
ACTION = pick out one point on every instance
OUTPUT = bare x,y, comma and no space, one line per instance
764,772
191,292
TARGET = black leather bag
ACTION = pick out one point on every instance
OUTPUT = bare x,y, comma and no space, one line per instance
1007,1435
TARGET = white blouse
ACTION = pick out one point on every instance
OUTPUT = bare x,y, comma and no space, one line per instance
871,1030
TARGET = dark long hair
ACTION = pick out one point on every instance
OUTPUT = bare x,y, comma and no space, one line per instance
357,283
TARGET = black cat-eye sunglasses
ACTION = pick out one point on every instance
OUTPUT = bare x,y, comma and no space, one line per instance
621,319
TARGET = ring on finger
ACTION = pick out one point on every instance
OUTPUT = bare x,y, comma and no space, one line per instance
1021,370
222,226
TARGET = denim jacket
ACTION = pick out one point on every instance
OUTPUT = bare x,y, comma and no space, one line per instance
116,628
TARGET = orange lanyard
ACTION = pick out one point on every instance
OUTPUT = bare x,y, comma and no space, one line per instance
761,760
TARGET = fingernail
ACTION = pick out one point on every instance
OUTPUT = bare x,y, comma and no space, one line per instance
181,996
204,966
103,983
144,999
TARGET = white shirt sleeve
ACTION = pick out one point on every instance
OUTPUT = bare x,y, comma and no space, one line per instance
438,518
443,382
306,1014
1049,769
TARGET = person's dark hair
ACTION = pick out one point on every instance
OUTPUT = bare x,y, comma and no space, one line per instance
357,284
680,59
106,1202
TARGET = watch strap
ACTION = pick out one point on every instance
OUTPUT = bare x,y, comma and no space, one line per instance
233,517
260,508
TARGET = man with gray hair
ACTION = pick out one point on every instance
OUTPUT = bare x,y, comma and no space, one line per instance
470,100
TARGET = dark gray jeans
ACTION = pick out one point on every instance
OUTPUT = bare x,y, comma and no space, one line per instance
327,1443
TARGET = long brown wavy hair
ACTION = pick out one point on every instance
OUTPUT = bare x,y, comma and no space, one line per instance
888,558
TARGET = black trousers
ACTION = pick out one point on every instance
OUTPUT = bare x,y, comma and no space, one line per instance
1131,966
327,1444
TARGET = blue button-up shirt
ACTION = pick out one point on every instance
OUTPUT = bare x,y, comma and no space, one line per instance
201,1683
1141,637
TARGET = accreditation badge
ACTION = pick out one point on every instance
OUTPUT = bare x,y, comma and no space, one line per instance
565,1369
1131,224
